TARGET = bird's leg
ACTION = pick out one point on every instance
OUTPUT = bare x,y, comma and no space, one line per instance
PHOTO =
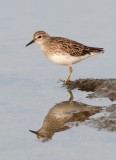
70,72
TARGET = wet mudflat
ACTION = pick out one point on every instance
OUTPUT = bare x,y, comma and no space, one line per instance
99,87
107,121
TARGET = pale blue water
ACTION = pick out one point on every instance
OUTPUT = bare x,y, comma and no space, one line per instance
28,81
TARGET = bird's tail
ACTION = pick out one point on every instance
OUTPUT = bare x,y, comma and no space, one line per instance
96,50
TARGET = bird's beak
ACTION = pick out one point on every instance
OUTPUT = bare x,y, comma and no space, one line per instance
35,132
30,42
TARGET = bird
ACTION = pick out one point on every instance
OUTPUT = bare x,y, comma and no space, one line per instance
63,51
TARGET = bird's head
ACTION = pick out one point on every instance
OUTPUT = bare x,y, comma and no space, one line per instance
39,37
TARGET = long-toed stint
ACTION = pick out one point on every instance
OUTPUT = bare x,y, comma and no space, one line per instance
63,51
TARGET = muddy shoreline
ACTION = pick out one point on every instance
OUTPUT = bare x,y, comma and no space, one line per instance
99,87
106,122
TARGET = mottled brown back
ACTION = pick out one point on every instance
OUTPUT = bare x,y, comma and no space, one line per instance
72,47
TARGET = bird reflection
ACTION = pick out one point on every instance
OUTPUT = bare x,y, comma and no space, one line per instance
62,115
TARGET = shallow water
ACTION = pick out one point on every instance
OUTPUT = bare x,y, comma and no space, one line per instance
29,85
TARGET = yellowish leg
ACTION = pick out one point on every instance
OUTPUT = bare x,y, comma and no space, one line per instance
70,72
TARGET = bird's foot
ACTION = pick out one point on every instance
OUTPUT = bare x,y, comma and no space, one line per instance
66,82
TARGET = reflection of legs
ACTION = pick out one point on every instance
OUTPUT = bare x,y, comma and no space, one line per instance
70,72
70,95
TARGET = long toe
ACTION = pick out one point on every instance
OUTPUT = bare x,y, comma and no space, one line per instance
66,81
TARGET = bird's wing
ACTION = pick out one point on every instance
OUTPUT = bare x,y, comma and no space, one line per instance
74,48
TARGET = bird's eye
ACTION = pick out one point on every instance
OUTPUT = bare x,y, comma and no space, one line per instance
39,37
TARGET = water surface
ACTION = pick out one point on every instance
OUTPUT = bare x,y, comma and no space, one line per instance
29,82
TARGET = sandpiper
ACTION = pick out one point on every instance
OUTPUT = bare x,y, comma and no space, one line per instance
63,51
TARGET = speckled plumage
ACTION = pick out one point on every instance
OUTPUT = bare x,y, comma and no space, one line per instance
55,45
62,50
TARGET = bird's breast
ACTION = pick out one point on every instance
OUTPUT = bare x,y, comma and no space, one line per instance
65,59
